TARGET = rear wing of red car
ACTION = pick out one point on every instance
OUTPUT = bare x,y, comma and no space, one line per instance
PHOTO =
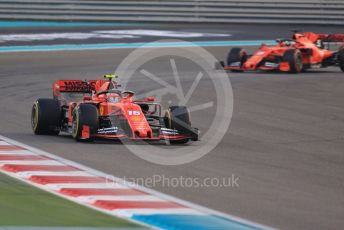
331,37
71,86
324,37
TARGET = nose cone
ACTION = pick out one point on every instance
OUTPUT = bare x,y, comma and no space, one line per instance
249,66
143,133
137,121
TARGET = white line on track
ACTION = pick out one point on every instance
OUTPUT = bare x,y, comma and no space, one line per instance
131,212
39,162
4,143
92,199
28,174
85,185
16,152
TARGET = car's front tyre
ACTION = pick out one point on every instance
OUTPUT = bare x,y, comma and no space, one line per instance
178,118
294,59
85,119
236,55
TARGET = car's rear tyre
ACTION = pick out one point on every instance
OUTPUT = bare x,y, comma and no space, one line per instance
294,59
84,116
236,55
341,58
46,117
178,118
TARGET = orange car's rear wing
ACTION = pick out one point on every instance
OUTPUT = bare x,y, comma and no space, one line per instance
331,37
324,37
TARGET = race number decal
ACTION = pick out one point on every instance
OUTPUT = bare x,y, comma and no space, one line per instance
134,113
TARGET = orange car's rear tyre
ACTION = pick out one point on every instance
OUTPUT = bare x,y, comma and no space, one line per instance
236,55
45,117
294,59
84,115
178,118
341,58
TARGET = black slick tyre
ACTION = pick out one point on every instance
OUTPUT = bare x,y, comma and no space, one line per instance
84,116
294,59
46,117
178,118
236,55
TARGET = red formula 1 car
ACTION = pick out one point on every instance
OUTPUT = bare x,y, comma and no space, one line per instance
98,108
302,52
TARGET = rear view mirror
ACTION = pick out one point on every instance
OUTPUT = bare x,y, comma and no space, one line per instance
150,99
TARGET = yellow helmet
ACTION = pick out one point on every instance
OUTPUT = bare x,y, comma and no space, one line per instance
110,76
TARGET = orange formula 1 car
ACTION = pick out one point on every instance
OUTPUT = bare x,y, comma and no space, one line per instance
304,51
98,108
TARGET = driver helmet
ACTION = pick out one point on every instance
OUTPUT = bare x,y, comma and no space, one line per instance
113,97
287,43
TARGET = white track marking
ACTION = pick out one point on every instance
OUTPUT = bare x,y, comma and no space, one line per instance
86,185
147,211
92,199
113,34
162,33
4,143
39,162
16,152
45,173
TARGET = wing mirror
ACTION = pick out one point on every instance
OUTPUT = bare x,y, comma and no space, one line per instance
150,99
